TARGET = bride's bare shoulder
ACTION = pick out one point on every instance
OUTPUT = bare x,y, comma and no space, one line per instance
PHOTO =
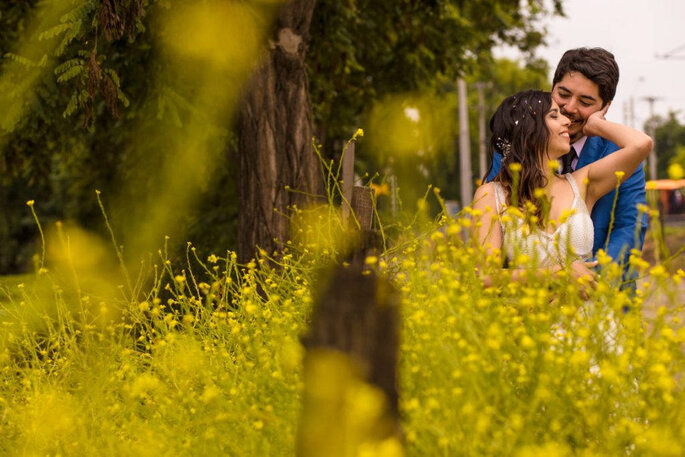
484,196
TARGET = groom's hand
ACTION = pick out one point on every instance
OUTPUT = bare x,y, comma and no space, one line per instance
591,127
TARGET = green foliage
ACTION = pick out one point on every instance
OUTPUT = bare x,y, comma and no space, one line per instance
50,158
98,75
361,51
424,152
670,139
32,143
365,53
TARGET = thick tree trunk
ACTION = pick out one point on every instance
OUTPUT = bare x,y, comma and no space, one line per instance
277,161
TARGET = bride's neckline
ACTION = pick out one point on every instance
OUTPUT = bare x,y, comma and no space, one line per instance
574,203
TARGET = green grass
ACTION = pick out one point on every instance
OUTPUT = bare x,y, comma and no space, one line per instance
9,283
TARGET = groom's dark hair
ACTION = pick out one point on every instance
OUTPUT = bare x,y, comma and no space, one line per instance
596,64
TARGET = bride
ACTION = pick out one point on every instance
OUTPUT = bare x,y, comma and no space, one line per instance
529,208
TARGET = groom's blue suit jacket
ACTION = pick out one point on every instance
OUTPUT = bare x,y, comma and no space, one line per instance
624,234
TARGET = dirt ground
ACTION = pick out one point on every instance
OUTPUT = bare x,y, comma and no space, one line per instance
673,257
674,238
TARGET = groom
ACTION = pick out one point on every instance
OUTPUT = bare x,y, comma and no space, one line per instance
585,82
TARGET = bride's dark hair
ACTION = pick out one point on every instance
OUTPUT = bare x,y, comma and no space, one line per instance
520,134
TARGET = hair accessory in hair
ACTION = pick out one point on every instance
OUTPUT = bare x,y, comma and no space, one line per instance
504,146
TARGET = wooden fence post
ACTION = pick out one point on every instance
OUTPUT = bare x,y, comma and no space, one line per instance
355,321
347,179
362,205
352,342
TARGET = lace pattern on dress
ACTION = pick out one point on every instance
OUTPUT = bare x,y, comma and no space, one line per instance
574,236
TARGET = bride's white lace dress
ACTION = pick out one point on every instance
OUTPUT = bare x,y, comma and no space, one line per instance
572,237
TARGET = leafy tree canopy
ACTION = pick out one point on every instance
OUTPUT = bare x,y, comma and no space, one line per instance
670,142
89,64
362,50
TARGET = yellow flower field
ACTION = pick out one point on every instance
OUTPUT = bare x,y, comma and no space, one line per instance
207,359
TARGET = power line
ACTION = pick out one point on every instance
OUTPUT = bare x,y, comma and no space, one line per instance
674,54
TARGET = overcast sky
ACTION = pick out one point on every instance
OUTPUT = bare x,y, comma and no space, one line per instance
635,31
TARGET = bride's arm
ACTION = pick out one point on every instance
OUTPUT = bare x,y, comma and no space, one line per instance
486,228
487,231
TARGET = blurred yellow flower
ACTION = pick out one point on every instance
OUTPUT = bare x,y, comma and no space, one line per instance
380,189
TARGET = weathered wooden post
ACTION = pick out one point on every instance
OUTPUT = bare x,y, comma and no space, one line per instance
368,242
351,349
362,206
357,207
347,179
350,365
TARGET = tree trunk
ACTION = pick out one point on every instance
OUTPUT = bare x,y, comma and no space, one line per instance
278,167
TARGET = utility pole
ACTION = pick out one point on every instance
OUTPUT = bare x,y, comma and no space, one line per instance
631,103
482,162
465,173
652,133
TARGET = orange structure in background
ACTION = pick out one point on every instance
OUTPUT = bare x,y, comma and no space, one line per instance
671,196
